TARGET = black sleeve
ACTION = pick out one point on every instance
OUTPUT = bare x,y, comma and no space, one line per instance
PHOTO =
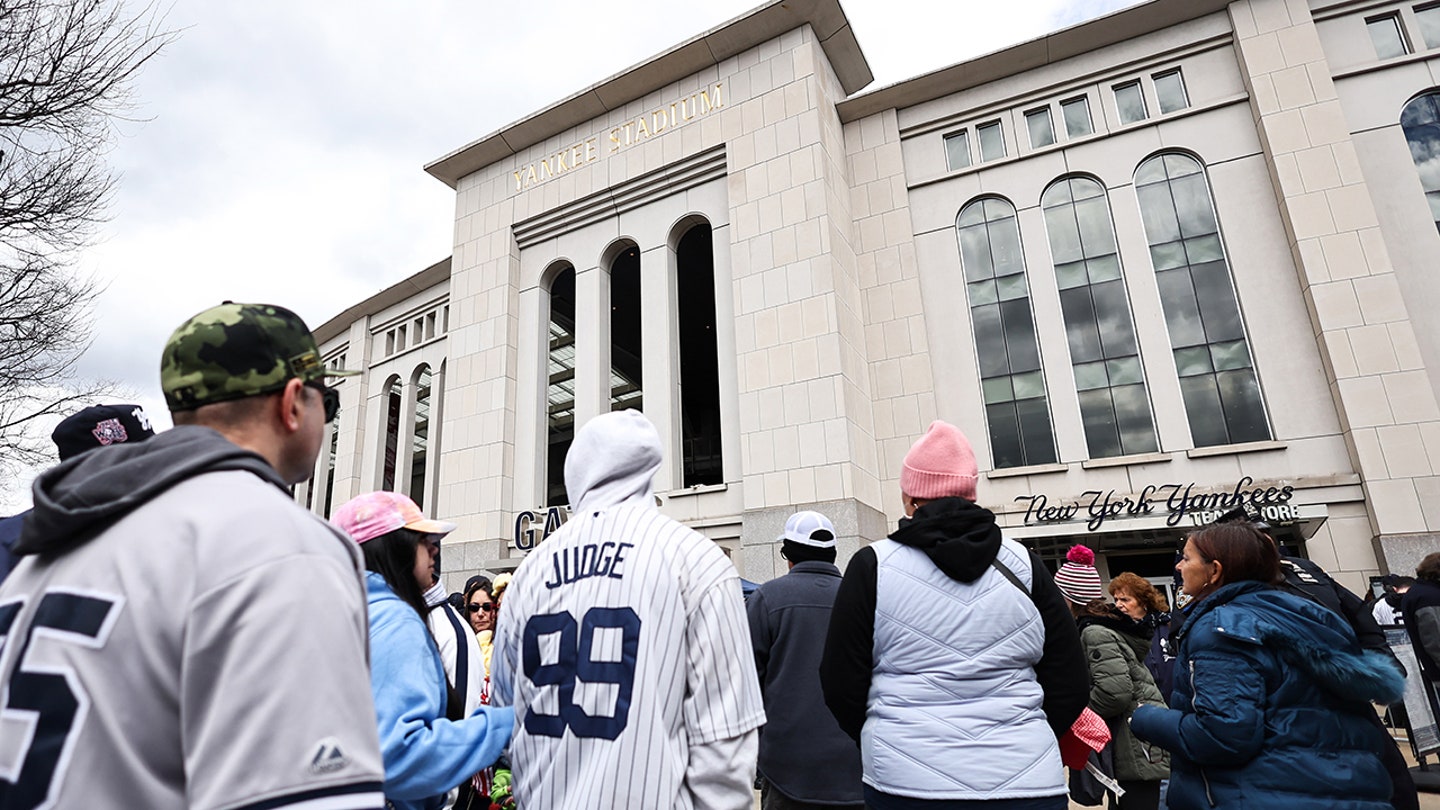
1367,630
848,662
760,641
1062,670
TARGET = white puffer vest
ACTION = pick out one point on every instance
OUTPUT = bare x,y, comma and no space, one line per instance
955,710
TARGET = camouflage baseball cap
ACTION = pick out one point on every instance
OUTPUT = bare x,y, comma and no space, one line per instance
237,350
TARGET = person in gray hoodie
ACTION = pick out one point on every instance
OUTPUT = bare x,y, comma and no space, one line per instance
180,631
951,656
623,647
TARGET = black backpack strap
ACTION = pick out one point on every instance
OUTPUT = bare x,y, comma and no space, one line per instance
1010,575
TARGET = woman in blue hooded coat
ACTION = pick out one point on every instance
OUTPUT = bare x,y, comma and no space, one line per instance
1271,691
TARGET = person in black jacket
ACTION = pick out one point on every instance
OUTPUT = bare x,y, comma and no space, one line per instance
805,759
1421,607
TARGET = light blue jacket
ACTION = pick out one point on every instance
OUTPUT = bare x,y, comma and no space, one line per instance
425,754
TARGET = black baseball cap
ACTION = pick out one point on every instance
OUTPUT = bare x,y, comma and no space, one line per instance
99,426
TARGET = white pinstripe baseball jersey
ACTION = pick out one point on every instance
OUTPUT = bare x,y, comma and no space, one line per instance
622,640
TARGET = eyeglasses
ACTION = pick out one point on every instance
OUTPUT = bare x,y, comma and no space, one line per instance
476,607
332,399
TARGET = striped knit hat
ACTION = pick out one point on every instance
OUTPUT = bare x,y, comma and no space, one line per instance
1077,578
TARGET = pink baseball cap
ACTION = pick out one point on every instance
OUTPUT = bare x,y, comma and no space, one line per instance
376,513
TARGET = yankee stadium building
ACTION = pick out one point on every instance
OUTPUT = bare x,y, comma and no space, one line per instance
1154,266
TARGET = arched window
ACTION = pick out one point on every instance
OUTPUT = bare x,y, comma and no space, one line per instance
1207,336
330,469
392,403
1011,378
1104,354
699,359
1421,122
419,449
560,388
626,387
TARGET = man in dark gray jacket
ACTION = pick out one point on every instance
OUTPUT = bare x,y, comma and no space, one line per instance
806,760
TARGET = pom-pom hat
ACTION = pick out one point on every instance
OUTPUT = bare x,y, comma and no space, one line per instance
1077,577
940,465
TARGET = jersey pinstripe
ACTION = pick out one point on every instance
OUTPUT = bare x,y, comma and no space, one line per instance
622,639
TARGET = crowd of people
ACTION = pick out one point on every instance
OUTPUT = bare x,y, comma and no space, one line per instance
178,632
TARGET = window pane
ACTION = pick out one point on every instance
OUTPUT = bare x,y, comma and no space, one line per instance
1207,417
1244,413
1005,249
975,252
1170,92
1229,356
1077,117
992,141
1112,311
626,384
1005,435
1104,268
982,292
1167,256
1125,371
1385,34
1182,311
1095,232
1429,19
1042,131
957,150
997,389
1132,416
1011,287
1203,249
1192,203
1190,362
560,388
702,449
1216,299
1156,209
1080,328
1035,430
1130,102
989,341
1071,275
1089,376
1029,385
1421,122
1064,234
1098,415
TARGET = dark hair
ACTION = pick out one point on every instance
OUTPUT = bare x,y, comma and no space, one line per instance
1245,554
478,582
1140,588
392,556
1429,568
799,552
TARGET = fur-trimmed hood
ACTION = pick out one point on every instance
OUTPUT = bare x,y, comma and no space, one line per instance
1305,634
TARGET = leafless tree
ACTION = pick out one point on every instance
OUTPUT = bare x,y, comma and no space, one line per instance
66,69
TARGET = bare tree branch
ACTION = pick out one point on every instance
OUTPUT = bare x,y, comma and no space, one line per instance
66,69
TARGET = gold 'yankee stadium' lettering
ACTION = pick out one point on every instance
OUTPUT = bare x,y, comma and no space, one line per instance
655,122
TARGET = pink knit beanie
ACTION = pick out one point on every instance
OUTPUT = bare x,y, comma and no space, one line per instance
940,465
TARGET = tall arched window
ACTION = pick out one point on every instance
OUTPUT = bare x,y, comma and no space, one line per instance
626,387
699,359
1421,122
1207,336
330,469
420,438
560,388
391,459
1104,354
1011,378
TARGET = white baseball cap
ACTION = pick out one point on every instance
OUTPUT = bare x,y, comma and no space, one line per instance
801,527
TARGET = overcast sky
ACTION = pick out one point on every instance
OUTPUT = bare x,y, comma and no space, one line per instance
278,145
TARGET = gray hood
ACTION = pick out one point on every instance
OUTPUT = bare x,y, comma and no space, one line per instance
79,498
612,461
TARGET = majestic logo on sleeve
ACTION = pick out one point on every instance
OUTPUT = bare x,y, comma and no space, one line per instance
109,431
328,757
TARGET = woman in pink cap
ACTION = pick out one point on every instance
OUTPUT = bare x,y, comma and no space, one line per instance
429,745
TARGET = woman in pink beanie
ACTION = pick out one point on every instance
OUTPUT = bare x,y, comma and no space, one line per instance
950,643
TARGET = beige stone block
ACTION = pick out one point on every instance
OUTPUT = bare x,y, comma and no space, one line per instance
910,419
767,328
1411,397
815,315
802,166
828,485
1351,208
1286,132
1242,20
782,369
1407,348
1300,44
792,205
1429,491
787,447
915,370
1325,123
897,339
1380,299
1370,453
777,488
777,286
1292,88
772,407
1310,215
827,349
757,374
1337,355
878,304
1270,15
806,359
1430,435
1377,255
897,227
824,398
888,380
1396,506
875,341
1321,81
1336,305
837,445
1309,256
1404,450
749,416
810,239
1262,89
860,202
1318,170
802,486
1373,351
1344,257
883,416
872,234
1263,54
1365,402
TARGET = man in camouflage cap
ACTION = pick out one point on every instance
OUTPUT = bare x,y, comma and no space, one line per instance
211,633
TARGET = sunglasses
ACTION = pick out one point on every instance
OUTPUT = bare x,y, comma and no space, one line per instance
332,399
476,607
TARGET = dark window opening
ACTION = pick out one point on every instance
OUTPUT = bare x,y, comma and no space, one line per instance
560,387
1420,121
699,360
420,449
330,469
626,388
392,435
